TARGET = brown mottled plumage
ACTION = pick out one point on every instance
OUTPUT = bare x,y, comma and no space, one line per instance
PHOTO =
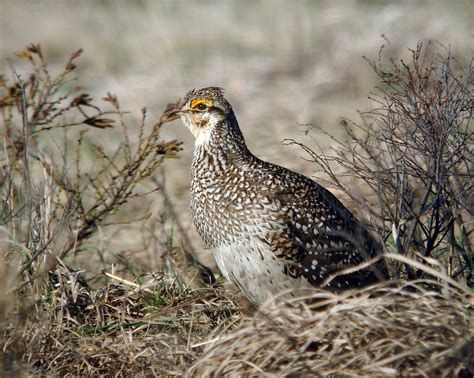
272,229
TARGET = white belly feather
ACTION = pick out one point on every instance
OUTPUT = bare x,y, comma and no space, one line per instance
256,271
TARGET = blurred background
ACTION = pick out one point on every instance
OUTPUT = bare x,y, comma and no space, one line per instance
283,64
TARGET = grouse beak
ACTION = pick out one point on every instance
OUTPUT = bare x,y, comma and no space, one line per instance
173,111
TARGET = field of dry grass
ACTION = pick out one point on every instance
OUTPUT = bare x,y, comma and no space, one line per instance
112,286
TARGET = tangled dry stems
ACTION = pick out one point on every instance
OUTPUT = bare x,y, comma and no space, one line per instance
126,329
163,327
394,329
407,163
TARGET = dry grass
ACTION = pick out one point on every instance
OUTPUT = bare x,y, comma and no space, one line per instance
395,329
125,328
164,328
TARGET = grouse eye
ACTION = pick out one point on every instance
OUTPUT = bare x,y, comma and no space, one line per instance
201,106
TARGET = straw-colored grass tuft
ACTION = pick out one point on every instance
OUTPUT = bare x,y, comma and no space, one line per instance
391,329
124,327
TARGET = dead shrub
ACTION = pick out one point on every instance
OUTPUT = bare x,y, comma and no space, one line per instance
408,162
58,187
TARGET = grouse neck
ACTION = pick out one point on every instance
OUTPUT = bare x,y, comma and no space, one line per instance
226,143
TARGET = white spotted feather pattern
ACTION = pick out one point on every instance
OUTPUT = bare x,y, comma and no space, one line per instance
272,230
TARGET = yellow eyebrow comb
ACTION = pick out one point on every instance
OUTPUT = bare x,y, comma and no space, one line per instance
198,101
